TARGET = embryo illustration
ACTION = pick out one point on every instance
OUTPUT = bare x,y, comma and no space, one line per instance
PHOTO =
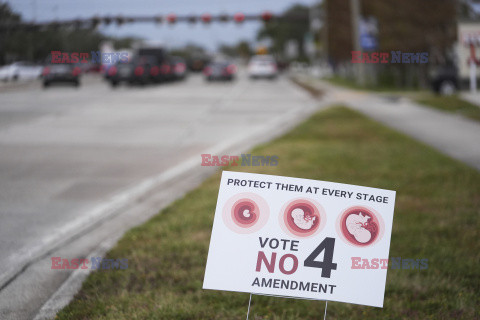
360,226
245,212
302,218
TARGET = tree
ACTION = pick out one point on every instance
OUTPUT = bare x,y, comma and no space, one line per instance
292,25
7,16
407,26
241,49
189,51
36,44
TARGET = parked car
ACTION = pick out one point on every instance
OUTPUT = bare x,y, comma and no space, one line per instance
61,73
140,70
262,66
21,70
220,70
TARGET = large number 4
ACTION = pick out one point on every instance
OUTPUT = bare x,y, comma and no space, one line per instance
328,244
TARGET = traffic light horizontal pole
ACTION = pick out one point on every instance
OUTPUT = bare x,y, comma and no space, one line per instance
168,19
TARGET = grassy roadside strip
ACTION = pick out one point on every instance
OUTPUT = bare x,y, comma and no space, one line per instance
351,84
453,104
436,217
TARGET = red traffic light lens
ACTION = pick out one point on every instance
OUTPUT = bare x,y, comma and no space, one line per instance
267,16
206,17
172,18
239,17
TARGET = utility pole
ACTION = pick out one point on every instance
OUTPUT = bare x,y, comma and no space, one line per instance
34,11
325,32
473,69
315,26
355,21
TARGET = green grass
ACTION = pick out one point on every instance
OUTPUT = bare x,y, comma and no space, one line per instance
351,84
450,104
453,104
436,217
344,82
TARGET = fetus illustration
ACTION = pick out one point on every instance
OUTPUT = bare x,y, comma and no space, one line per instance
360,226
356,226
301,220
302,217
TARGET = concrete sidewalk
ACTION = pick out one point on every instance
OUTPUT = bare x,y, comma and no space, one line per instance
473,98
451,134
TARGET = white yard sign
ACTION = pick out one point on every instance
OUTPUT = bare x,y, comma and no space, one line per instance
300,238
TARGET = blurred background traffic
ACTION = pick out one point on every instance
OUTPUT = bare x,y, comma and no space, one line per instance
314,35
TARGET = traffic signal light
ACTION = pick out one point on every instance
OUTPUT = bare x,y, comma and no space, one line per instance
267,16
119,20
95,21
206,18
239,17
224,17
172,18
107,20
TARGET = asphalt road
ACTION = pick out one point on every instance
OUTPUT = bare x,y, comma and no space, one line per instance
66,153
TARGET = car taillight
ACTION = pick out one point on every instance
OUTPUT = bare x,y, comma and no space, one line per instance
180,67
207,71
76,71
274,66
139,71
231,69
46,71
165,69
112,71
154,71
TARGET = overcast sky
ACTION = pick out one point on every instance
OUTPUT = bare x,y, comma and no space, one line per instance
173,36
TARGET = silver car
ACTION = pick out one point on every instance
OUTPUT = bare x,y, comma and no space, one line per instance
21,70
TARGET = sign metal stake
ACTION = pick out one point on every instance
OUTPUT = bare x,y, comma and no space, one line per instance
249,301
325,315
